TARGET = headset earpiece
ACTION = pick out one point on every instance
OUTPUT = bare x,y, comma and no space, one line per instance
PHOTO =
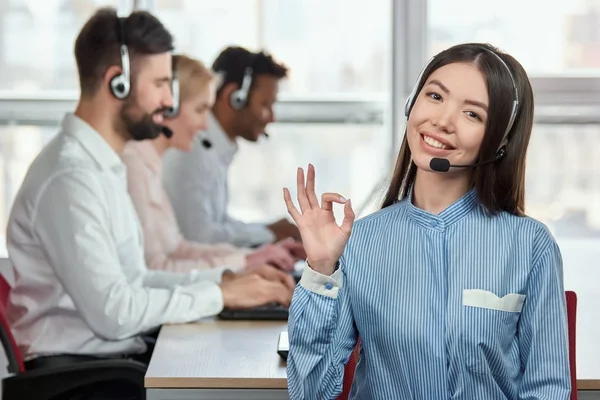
501,152
120,85
173,111
239,97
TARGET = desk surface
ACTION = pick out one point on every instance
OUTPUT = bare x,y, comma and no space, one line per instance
218,354
228,354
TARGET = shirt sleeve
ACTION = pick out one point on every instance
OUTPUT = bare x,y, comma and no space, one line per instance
213,255
73,225
543,332
322,335
192,194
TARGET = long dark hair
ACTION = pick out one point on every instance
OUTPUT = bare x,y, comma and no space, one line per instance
499,186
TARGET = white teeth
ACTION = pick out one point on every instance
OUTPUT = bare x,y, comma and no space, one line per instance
434,143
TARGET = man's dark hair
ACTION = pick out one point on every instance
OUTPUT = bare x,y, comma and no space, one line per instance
233,61
97,46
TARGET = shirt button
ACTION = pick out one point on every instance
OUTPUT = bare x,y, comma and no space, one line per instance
328,286
433,224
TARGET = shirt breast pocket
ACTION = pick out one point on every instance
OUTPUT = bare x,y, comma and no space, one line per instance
489,332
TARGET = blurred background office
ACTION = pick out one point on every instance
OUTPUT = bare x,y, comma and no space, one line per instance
352,63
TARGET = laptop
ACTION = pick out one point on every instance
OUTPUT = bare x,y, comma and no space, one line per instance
283,345
271,312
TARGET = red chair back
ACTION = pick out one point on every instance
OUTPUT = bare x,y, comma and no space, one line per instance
572,324
13,355
349,373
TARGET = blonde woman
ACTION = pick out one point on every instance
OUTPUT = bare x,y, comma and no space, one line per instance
165,247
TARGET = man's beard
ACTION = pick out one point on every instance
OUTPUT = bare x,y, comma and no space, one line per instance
138,128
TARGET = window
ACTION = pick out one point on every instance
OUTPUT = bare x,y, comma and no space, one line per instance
563,181
563,191
337,46
37,40
349,159
548,38
203,28
19,145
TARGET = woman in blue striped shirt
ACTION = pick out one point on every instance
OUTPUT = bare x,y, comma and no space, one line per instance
452,290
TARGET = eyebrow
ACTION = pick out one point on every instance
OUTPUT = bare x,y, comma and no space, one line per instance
164,79
476,103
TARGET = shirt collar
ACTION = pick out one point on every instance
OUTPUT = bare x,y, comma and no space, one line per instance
95,145
454,213
219,140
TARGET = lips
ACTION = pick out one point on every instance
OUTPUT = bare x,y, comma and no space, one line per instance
157,118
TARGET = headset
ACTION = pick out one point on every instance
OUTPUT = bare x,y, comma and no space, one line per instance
515,106
173,111
239,98
120,85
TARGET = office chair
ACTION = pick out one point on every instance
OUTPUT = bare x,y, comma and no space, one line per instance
52,383
349,370
572,325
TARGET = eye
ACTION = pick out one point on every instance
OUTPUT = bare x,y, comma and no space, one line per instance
474,115
434,96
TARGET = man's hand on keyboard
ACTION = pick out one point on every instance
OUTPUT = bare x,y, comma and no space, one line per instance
273,254
271,273
252,290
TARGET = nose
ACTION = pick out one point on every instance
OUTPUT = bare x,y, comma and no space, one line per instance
271,117
444,118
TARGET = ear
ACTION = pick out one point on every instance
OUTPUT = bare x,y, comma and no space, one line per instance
110,73
227,90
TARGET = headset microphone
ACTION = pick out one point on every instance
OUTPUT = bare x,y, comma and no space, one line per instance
167,132
443,164
206,143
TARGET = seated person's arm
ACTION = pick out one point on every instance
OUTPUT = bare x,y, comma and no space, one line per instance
160,229
197,216
72,222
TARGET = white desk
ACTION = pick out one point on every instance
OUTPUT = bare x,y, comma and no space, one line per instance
218,360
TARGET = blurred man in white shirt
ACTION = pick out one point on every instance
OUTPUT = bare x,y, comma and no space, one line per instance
196,181
82,288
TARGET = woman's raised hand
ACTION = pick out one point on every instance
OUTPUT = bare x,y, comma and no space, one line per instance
323,239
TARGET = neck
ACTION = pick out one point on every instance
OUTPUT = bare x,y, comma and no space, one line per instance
434,192
92,111
161,144
225,119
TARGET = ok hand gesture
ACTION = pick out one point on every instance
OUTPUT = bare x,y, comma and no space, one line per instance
323,239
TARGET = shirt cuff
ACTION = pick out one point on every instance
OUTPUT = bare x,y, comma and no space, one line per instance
208,299
324,285
260,234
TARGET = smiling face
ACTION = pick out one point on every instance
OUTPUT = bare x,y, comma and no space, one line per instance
449,116
192,118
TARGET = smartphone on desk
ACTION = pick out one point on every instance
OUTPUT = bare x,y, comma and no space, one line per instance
283,345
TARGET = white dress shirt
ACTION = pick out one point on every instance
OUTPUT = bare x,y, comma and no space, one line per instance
196,183
81,284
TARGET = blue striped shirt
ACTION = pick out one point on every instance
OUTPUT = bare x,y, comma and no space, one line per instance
459,305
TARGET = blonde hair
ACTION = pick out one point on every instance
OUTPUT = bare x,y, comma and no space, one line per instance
193,76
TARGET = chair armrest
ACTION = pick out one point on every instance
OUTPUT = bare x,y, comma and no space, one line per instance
45,383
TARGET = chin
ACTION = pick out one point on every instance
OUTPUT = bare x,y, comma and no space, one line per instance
422,162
